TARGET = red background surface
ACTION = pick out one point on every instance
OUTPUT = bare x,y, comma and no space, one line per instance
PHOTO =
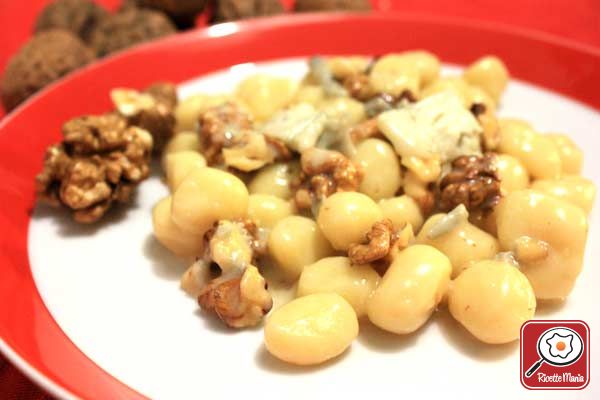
576,20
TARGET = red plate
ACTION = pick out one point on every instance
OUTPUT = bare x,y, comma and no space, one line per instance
28,334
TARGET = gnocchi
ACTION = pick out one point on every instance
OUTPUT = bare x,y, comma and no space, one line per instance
402,210
179,164
381,169
537,152
490,74
170,235
295,242
346,217
492,299
311,329
572,188
264,95
410,290
552,223
382,190
463,243
266,210
355,283
275,180
205,196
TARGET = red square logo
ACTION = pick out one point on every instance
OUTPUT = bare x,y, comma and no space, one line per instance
555,354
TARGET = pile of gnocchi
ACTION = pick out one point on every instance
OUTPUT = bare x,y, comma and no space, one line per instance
377,190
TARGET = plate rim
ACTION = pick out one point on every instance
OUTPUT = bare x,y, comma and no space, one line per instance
241,30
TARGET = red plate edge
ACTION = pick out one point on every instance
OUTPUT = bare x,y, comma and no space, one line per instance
29,336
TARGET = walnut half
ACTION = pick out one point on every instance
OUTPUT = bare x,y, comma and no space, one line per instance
239,301
152,109
238,296
99,163
325,172
473,181
382,244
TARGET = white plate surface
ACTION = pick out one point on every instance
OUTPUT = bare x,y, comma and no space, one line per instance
114,291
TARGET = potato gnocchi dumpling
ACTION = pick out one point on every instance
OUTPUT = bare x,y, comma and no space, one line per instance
266,210
179,164
492,299
462,242
383,190
275,179
295,242
575,189
311,329
537,152
205,196
264,95
346,217
410,289
170,235
547,236
490,74
355,283
382,176
571,156
402,210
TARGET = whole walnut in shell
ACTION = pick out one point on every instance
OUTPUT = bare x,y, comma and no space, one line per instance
231,10
131,27
77,16
45,58
181,12
332,5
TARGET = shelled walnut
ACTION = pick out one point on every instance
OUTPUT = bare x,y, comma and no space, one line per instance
228,137
238,296
219,126
382,243
240,301
325,172
153,109
473,181
100,162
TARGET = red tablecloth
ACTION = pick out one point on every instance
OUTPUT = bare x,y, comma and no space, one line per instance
577,20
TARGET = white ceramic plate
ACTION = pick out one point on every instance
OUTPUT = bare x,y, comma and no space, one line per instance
115,292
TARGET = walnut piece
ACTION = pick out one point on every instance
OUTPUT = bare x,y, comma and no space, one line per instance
239,301
220,126
228,138
152,109
383,243
473,181
238,296
378,244
325,172
100,162
365,130
252,151
92,134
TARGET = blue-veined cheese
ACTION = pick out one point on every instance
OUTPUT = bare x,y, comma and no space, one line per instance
299,126
438,126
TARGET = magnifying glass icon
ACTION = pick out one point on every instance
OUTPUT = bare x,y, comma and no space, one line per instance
558,347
